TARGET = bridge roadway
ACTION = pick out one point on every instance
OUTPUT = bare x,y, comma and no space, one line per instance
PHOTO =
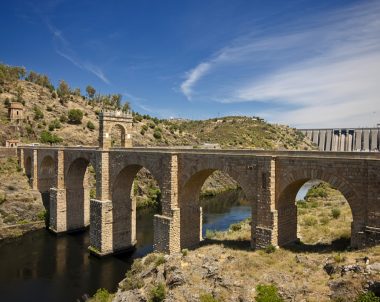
269,179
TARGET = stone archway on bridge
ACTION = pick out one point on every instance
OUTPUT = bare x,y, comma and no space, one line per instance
118,122
286,207
191,211
124,208
46,179
80,179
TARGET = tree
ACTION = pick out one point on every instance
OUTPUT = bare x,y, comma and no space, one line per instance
90,91
126,106
116,100
48,137
38,114
63,90
75,116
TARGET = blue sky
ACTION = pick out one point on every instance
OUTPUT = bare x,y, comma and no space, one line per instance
304,63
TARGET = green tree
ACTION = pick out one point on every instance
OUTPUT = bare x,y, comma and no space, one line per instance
38,114
48,137
63,91
75,116
126,106
116,101
90,91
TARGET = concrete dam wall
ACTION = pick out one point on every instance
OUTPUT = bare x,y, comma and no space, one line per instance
345,139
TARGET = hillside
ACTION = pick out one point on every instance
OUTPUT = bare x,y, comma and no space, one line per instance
47,108
319,268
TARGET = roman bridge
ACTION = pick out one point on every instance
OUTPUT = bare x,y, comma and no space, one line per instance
269,179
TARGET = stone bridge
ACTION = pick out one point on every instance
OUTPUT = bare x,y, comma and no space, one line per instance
270,181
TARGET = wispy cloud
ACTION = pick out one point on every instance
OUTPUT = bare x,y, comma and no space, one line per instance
322,71
192,77
64,49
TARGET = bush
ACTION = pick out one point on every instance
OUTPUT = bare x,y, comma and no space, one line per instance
310,221
142,132
367,297
75,116
207,298
235,227
157,134
335,212
157,293
185,252
90,125
267,293
269,249
38,114
63,118
102,295
54,125
48,137
49,108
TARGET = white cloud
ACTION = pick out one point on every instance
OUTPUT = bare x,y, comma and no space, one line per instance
192,77
318,72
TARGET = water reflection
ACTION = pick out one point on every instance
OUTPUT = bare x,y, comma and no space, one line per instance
43,267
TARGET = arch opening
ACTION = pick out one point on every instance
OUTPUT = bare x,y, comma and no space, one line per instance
80,187
28,167
313,213
213,201
46,180
117,134
136,198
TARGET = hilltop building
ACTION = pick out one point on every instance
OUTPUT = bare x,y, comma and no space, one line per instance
16,111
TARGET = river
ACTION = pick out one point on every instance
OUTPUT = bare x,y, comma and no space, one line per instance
43,267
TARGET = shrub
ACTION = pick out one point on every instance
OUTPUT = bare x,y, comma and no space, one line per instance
7,102
42,215
102,295
310,221
75,116
335,212
157,134
54,125
142,132
367,297
157,293
269,249
184,252
48,137
235,227
90,125
152,125
210,234
207,298
324,220
49,108
38,114
338,258
63,118
267,293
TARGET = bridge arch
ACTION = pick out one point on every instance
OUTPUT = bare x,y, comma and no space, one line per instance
118,133
189,203
28,166
124,207
78,193
287,209
46,179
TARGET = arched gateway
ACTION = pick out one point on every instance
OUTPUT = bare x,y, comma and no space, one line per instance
270,179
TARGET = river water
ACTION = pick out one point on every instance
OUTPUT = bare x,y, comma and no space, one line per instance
43,267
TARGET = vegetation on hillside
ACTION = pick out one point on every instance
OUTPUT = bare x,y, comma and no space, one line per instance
77,114
225,269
